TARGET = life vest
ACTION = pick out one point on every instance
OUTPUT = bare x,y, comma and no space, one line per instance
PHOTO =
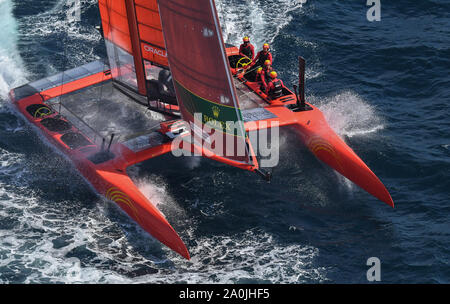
264,75
277,90
262,58
258,76
267,73
247,51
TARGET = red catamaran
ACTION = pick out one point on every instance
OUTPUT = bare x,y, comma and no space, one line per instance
169,56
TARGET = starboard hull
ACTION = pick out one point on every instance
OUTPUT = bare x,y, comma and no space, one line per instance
315,133
327,146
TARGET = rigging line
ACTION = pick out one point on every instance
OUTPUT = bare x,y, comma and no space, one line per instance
104,70
111,32
100,96
254,69
82,121
103,61
248,94
64,41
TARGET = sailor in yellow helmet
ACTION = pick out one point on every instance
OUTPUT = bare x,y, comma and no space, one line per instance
265,74
259,74
247,49
263,55
275,86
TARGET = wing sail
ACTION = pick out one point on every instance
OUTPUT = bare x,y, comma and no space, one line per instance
122,55
150,32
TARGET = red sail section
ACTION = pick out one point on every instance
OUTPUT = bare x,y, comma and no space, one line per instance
150,32
202,76
134,40
119,43
115,23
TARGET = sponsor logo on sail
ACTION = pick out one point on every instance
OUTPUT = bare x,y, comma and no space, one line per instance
224,100
155,50
200,133
207,32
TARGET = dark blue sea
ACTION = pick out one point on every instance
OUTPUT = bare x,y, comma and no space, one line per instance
384,88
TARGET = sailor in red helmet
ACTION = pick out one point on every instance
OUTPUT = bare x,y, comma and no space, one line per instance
275,86
247,49
262,56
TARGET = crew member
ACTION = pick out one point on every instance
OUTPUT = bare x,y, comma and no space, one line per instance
247,49
262,56
264,76
275,86
162,89
166,83
259,74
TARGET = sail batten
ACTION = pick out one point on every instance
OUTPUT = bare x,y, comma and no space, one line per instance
115,23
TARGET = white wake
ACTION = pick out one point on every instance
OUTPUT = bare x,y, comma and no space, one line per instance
349,114
12,71
261,20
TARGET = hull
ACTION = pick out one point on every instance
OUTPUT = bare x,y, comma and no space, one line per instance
105,169
328,147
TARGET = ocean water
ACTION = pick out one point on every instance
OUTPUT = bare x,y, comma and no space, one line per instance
384,88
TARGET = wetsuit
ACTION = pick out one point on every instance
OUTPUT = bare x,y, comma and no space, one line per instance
247,50
162,89
261,58
263,76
